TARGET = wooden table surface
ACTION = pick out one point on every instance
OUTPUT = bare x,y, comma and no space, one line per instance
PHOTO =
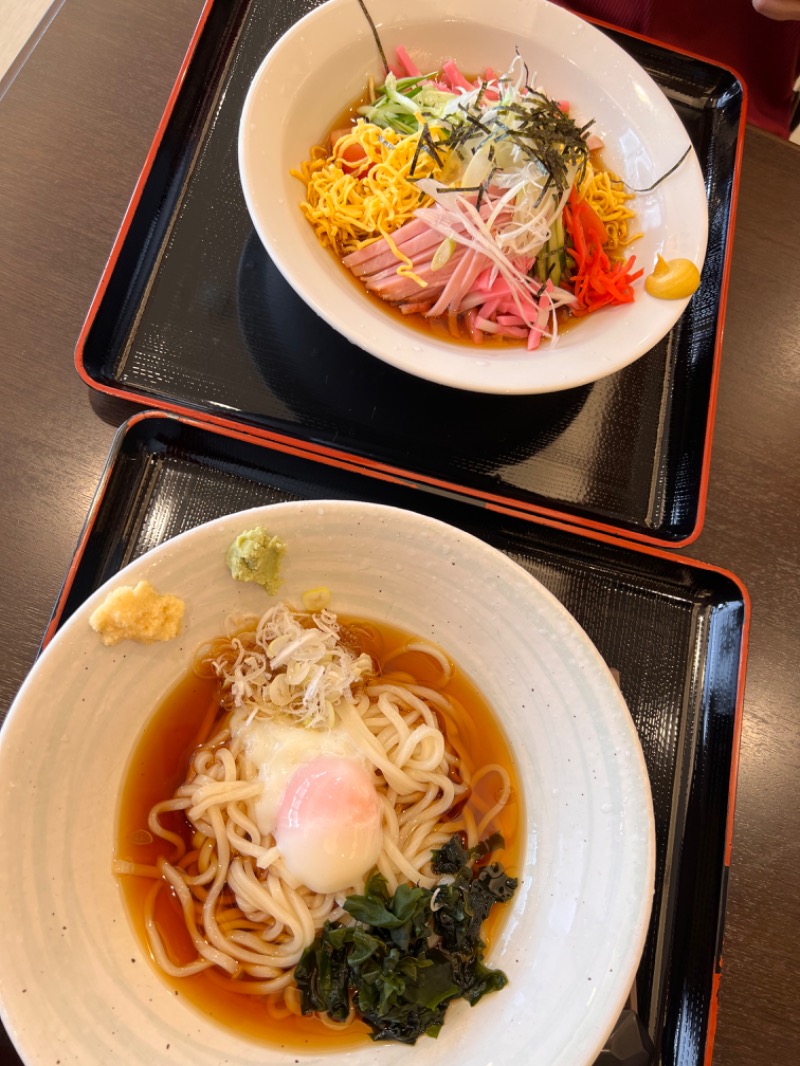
75,127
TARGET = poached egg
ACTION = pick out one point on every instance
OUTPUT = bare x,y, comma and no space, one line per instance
318,800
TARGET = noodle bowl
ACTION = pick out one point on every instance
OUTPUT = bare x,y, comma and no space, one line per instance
335,49
100,735
298,691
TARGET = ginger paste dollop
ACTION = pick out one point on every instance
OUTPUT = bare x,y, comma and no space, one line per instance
137,613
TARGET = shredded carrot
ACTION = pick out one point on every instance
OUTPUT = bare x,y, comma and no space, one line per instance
351,204
596,278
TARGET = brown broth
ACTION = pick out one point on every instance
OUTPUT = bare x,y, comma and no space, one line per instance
158,766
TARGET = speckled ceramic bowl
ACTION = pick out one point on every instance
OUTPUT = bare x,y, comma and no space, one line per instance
573,938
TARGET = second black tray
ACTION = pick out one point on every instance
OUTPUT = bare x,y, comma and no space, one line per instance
192,316
674,629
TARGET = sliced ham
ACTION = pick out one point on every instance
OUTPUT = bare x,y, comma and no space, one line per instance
468,288
414,247
467,270
398,287
406,232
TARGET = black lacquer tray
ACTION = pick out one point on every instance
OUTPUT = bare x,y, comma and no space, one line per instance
192,316
675,630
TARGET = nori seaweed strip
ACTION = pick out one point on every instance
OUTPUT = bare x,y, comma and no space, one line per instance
482,190
466,188
547,126
545,187
459,134
375,34
546,159
427,142
481,94
671,170
415,157
430,144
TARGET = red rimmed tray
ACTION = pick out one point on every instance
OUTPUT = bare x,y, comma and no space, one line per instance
191,316
675,629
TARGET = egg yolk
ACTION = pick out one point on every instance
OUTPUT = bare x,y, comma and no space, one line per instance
329,823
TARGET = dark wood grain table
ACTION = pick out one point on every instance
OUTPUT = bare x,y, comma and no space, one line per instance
75,127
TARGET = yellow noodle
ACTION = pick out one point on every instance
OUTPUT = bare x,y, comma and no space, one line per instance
606,193
349,210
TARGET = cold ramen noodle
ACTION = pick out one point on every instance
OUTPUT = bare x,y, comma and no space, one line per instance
314,830
477,206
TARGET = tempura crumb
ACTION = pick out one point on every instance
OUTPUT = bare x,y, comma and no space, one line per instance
139,614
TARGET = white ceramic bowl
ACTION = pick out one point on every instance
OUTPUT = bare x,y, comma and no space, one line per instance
74,984
321,65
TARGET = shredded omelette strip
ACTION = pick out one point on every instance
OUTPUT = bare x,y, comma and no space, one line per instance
350,205
605,192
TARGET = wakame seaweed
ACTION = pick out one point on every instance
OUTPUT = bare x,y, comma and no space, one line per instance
406,957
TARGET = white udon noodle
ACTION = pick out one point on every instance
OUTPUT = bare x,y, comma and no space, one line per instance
246,915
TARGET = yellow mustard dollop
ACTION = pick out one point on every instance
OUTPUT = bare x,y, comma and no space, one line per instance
673,279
